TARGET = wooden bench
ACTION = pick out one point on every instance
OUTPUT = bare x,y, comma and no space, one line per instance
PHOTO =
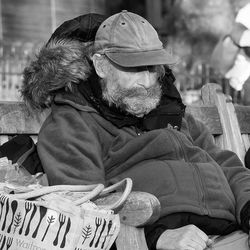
229,124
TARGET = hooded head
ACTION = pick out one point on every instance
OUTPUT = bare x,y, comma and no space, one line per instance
61,62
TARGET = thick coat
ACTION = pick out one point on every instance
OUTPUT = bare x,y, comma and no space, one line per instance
184,169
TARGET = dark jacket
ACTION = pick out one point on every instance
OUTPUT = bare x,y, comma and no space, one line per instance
184,169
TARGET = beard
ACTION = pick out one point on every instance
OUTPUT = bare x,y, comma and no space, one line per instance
137,101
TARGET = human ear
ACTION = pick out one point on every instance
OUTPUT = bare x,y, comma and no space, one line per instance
99,65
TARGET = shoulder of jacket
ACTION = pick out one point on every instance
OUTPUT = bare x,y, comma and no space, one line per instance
80,106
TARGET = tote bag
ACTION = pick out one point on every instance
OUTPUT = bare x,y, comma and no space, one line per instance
60,217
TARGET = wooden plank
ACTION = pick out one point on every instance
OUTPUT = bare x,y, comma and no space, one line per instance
243,115
246,141
18,118
131,238
139,209
15,118
209,115
231,139
3,139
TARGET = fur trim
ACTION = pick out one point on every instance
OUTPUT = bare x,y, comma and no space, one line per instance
59,65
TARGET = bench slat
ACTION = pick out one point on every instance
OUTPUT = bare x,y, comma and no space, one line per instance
15,118
209,115
243,116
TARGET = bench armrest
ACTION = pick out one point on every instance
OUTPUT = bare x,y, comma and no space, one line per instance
140,208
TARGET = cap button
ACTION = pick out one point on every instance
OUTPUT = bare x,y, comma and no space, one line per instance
124,11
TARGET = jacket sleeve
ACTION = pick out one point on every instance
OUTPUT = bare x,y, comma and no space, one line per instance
237,175
69,150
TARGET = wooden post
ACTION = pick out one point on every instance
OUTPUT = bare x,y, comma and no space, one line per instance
231,139
135,241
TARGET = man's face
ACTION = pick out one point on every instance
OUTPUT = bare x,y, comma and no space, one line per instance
135,90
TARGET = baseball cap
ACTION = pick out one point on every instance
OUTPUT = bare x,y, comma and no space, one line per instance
82,28
129,40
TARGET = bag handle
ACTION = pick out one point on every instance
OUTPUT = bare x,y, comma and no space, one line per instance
93,190
126,192
128,188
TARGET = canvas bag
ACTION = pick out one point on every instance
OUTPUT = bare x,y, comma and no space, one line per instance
53,221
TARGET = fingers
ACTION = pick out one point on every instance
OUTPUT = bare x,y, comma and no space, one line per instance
201,234
184,238
202,239
197,244
198,239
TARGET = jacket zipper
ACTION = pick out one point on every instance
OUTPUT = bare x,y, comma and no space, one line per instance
178,142
201,193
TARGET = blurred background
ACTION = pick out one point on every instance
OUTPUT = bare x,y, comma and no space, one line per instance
189,28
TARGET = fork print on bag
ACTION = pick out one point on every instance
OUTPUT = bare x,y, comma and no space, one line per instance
28,206
65,234
55,223
9,242
98,223
61,220
2,201
31,217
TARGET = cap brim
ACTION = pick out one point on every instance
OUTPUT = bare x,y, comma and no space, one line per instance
145,58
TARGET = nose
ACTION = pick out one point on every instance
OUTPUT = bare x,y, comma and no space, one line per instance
145,79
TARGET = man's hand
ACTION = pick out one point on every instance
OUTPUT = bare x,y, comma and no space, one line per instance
188,237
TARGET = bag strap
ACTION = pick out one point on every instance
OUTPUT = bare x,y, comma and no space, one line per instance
93,190
127,190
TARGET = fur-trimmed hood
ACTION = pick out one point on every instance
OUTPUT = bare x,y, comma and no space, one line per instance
57,67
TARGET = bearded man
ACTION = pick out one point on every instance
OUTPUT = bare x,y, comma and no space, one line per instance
116,113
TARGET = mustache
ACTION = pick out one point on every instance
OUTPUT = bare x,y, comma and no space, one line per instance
143,92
